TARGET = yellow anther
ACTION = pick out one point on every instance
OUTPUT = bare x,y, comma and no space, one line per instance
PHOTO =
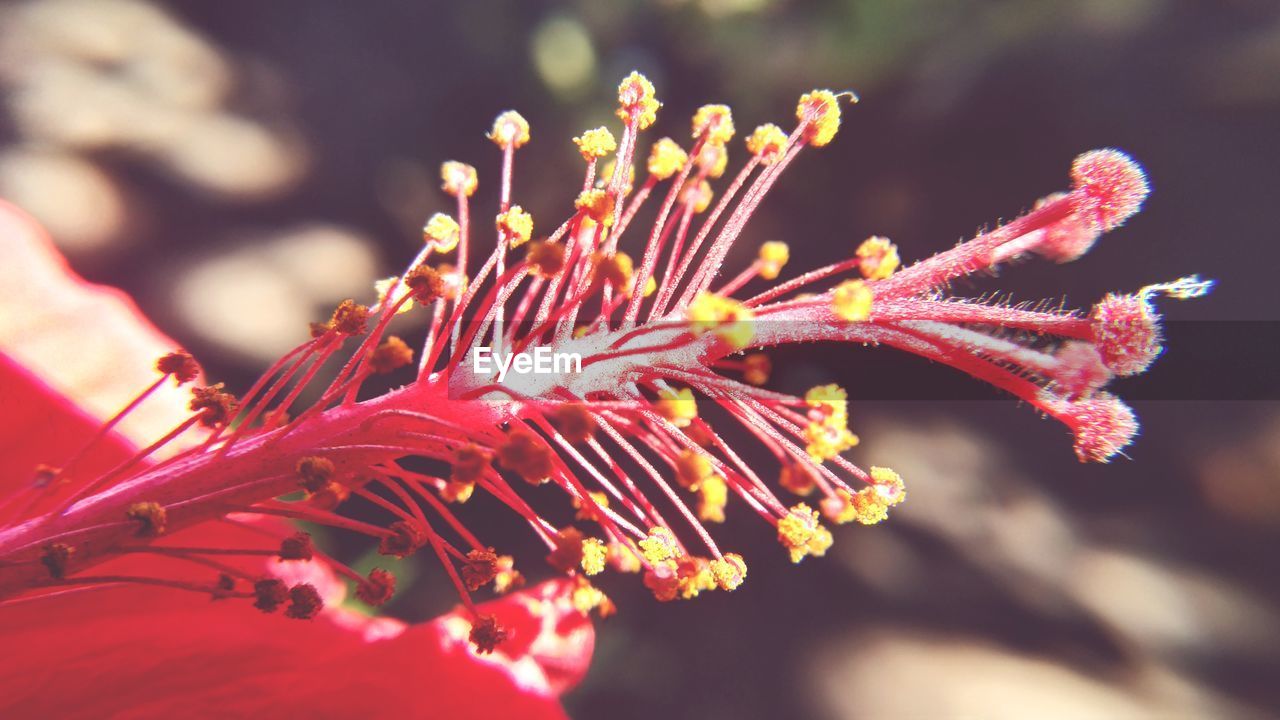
587,510
594,555
510,130
851,300
441,232
597,204
767,143
773,257
637,101
508,578
458,178
877,258
650,286
692,468
595,144
545,258
820,542
825,440
515,226
828,402
756,368
677,406
695,576
457,492
729,319
659,546
624,559
819,112
666,158
713,159
797,478
798,529
587,597
713,495
698,194
616,270
383,286
715,121
729,571
888,486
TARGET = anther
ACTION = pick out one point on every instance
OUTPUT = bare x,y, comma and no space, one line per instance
458,179
377,589
270,594
349,318
595,144
405,539
574,421
304,602
215,406
390,355
487,634
425,283
180,365
149,517
55,557
510,130
526,455
480,568
297,547
314,472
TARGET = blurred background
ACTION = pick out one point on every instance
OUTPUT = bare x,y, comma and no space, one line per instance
241,166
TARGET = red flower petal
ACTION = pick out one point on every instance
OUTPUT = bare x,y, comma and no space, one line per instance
129,651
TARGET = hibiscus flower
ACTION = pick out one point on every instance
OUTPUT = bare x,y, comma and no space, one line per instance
71,353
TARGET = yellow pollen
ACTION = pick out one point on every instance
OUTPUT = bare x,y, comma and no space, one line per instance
695,577
616,270
797,530
851,300
515,226
677,406
713,159
713,496
729,571
666,158
819,112
877,258
729,319
820,542
510,130
756,368
597,204
441,231
637,100
692,468
595,144
773,257
459,179
698,194
828,439
715,121
587,510
650,286
659,546
767,143
383,286
594,555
